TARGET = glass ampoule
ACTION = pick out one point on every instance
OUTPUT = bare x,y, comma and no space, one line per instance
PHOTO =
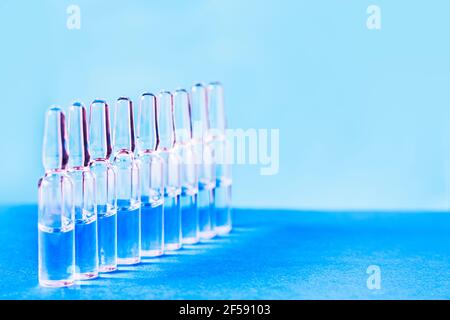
151,178
220,145
105,184
189,178
128,186
204,153
56,214
86,258
171,168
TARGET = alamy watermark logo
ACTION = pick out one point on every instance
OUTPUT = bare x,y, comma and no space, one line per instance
73,21
374,279
256,147
374,18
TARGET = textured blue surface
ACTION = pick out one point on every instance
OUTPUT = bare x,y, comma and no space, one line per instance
269,255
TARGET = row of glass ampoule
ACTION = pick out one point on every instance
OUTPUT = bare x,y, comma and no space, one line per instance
107,200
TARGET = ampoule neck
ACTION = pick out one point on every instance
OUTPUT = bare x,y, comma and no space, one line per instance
77,168
165,150
99,160
147,151
124,151
51,172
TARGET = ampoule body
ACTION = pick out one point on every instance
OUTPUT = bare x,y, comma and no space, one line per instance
105,183
171,172
204,155
128,185
152,179
221,151
56,214
86,255
189,177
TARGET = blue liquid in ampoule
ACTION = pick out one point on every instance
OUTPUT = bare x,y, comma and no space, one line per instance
128,235
222,209
57,255
107,241
189,218
172,220
86,247
152,228
206,220
212,212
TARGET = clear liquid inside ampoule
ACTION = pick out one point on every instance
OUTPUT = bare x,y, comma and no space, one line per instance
189,218
222,207
86,247
172,223
206,216
152,228
107,239
128,232
56,256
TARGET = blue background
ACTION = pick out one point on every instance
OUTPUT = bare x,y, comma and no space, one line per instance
363,115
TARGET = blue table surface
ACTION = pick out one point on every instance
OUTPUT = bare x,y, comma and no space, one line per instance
270,254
